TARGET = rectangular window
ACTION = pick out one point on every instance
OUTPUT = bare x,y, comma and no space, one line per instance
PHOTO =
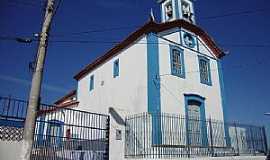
91,83
177,61
116,68
205,72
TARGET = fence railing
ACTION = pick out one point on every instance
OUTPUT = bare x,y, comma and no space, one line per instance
171,136
60,133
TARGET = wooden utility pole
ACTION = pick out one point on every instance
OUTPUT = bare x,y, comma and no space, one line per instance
29,126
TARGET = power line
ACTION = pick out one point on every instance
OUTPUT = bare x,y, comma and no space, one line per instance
117,42
25,3
94,31
135,26
246,45
165,87
236,13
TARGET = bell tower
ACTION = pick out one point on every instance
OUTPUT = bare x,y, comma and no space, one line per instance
177,9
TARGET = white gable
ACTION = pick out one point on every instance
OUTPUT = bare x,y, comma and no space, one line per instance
177,36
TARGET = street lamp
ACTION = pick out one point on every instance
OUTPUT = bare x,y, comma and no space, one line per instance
267,114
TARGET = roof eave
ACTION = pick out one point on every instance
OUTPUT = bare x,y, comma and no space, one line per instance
148,27
70,94
151,26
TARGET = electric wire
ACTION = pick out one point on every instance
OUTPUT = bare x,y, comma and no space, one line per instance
236,13
24,3
135,26
8,38
93,31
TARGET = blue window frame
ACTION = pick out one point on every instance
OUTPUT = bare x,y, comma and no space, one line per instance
205,71
91,83
116,68
177,61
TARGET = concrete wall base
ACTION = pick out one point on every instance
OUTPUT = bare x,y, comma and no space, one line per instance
10,150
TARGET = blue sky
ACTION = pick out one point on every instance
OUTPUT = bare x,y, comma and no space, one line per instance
245,36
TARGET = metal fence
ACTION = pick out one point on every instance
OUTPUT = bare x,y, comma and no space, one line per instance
60,133
171,136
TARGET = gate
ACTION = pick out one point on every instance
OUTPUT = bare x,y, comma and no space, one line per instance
60,133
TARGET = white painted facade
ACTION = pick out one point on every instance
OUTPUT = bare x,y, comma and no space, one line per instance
128,93
173,88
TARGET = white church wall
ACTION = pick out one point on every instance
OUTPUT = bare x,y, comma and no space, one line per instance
120,96
203,48
173,88
129,88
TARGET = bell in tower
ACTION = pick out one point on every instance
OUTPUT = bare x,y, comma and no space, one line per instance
177,9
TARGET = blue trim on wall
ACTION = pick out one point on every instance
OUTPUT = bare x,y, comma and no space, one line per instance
209,83
182,59
223,99
177,16
200,99
11,123
162,14
153,85
116,68
197,41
